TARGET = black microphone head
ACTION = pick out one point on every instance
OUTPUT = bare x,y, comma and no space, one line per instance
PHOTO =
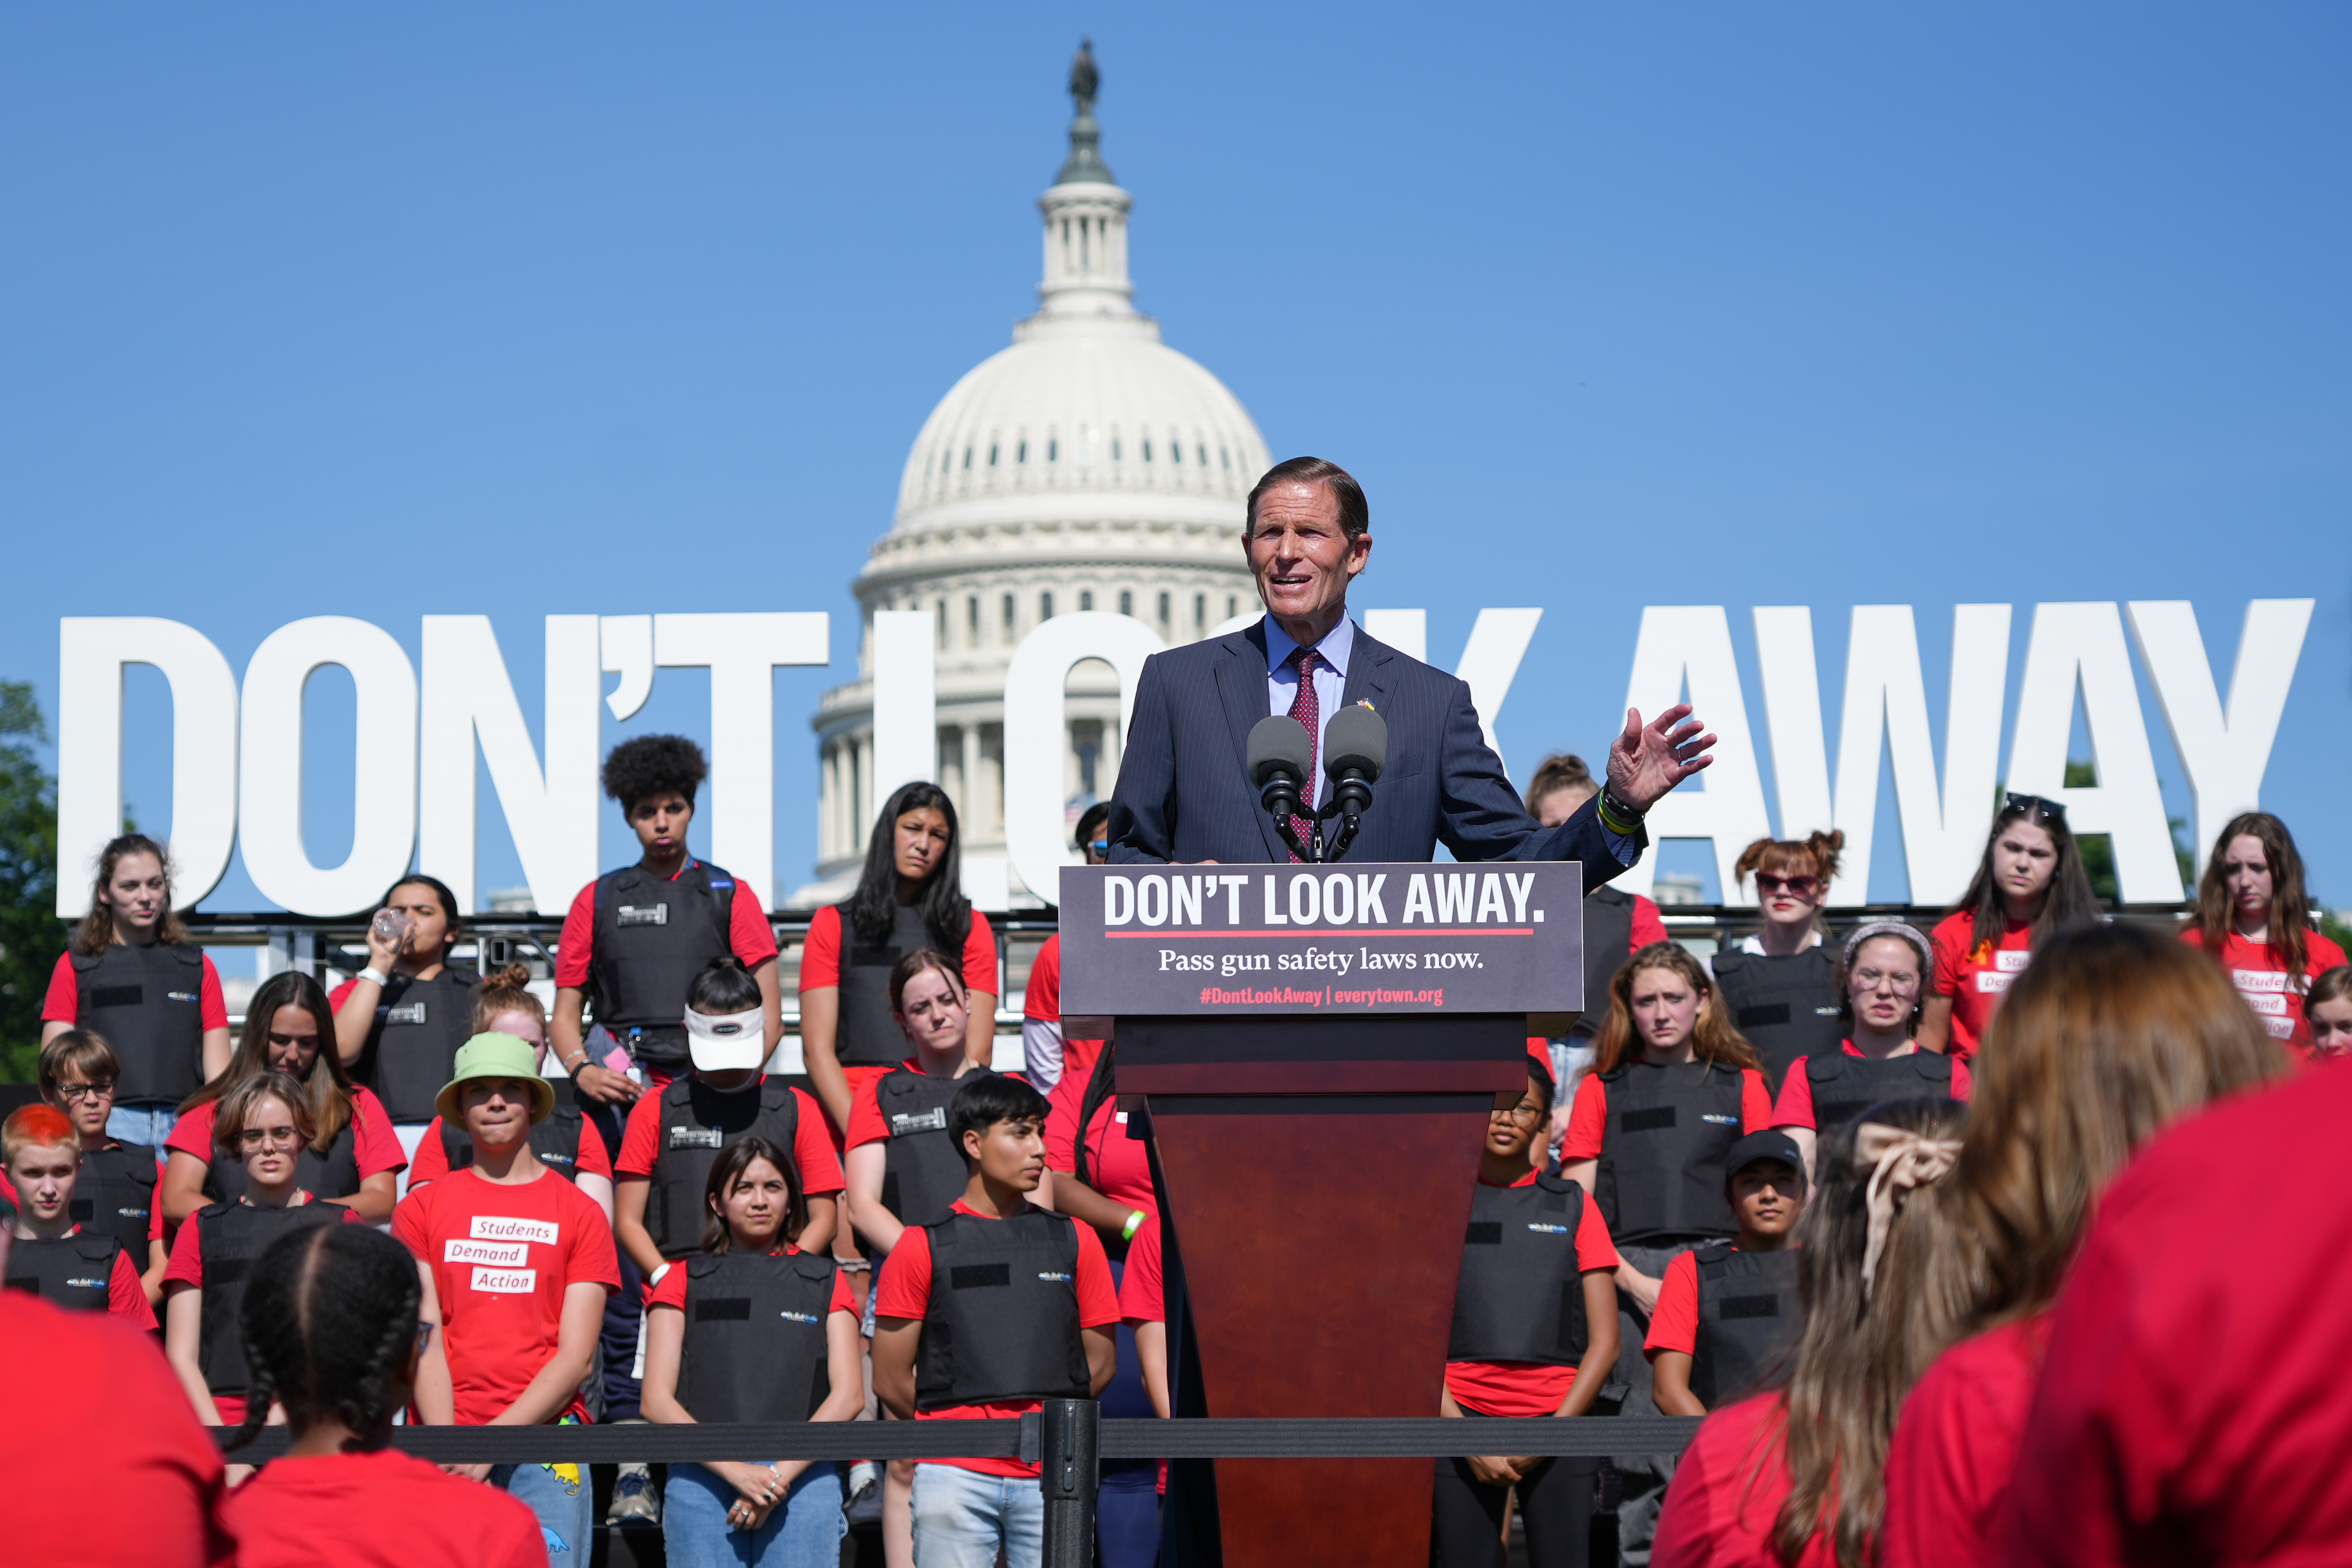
1278,744
1357,740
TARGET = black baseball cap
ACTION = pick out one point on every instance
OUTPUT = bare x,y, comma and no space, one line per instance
1772,1144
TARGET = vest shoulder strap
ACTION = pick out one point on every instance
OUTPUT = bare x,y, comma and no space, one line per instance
775,1094
1706,1257
813,1266
98,1247
677,1092
1552,1183
84,963
703,1264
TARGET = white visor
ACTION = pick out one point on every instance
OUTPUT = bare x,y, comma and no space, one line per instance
727,1042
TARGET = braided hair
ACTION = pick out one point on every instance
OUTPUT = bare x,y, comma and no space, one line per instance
329,1315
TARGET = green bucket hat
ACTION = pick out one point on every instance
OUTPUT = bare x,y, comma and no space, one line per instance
495,1055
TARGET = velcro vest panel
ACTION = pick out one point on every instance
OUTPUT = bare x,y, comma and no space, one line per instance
652,937
869,1036
1002,1322
333,1174
697,1122
1608,936
923,1172
1749,1319
412,1048
1786,1007
148,1004
232,1237
1844,1087
1521,1295
74,1271
115,1192
755,1337
555,1141
1662,1151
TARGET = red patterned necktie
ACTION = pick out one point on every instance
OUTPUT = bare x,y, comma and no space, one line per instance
1307,710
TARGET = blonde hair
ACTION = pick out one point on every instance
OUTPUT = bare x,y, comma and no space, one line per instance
1713,1039
508,990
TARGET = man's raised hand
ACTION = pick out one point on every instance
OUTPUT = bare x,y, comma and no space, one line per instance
1648,760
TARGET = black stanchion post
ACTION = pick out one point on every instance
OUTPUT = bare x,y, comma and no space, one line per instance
1072,1472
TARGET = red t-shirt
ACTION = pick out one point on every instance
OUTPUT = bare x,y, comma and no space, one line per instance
62,1004
1727,1491
433,1160
1649,926
1795,1106
748,932
1526,1387
2259,970
111,1466
1955,1449
374,1146
812,1147
1118,1166
1588,1115
381,1510
905,1292
1674,1321
671,1291
1142,1289
1974,974
1042,999
503,1259
2187,1410
821,957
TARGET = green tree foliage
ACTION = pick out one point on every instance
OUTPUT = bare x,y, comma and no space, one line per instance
2098,851
31,935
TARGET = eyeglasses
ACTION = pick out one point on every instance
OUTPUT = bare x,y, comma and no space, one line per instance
274,1137
1870,980
1802,887
1525,1111
102,1090
2036,806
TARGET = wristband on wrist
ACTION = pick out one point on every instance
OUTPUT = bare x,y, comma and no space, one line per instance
1134,1224
378,975
655,1277
1616,815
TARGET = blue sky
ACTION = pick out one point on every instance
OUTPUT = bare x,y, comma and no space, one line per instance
526,309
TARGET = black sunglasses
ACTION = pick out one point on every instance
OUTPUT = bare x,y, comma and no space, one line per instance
2036,806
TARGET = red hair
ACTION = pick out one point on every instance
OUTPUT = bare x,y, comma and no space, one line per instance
35,1127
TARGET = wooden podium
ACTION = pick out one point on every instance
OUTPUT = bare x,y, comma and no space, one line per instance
1319,1147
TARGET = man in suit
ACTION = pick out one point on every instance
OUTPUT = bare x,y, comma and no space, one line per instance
1183,796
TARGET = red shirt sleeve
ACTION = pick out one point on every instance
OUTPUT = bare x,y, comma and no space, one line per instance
187,1264
1097,1295
813,1150
980,957
374,1144
670,1292
126,1297
1588,1120
1595,1247
1062,1121
1141,1293
432,1162
821,952
1649,926
575,948
1795,1108
1963,1085
844,1299
1674,1321
906,1287
1042,997
640,1137
1950,940
194,1133
595,1159
408,1228
335,998
1755,1101
589,1255
63,1003
212,1007
865,1123
154,1218
748,930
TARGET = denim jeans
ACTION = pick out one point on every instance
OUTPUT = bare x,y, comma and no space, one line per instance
148,1121
560,1495
804,1530
962,1516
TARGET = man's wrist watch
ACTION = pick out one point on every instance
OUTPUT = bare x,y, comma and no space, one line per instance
1616,815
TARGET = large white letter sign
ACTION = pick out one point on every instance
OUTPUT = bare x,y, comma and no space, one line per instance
742,652
905,701
92,652
1695,640
2224,754
1499,641
383,810
2125,805
1407,631
1792,711
551,816
628,645
1036,732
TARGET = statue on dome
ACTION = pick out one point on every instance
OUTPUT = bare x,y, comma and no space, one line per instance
1084,78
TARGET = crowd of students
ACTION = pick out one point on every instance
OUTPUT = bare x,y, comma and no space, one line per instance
1826,1191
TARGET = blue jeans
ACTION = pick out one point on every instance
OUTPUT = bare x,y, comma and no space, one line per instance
148,1121
804,1530
560,1495
962,1516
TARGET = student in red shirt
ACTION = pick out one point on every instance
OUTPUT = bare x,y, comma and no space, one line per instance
115,1191
54,1257
263,1124
399,1021
1045,1057
131,974
1780,984
2327,1007
1879,973
1791,1477
2114,1034
2028,886
753,1330
517,1265
2254,916
1728,1315
1027,1313
331,1320
353,1157
1535,1334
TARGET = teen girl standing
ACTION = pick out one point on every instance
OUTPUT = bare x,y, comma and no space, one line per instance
2028,886
2253,917
399,1022
1780,984
1880,974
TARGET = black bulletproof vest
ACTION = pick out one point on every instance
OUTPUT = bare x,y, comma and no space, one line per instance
412,1048
1521,1295
1003,1313
869,1036
1661,1170
697,1122
232,1237
652,938
148,1003
1786,1007
70,1270
1844,1087
923,1172
755,1337
1608,939
333,1174
555,1141
1749,1319
115,1192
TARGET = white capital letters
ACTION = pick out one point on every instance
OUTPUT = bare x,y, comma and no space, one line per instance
2225,754
1695,640
905,701
1035,730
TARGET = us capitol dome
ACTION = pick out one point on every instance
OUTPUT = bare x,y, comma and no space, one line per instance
1087,466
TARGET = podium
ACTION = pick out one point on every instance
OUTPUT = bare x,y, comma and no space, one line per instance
1318,1050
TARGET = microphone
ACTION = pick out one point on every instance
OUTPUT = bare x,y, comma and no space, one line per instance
1355,750
1278,757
